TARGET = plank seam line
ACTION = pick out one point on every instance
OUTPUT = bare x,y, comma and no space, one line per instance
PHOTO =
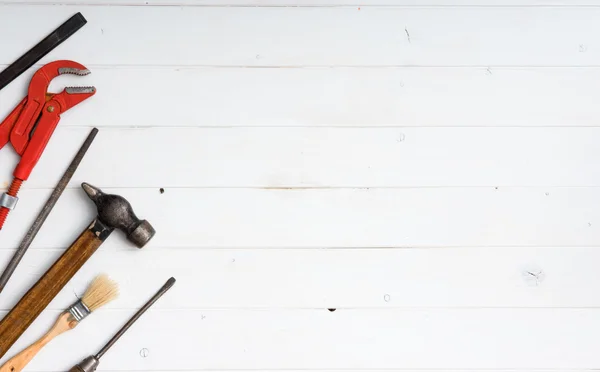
74,186
321,66
316,127
151,4
354,369
207,250
382,308
338,248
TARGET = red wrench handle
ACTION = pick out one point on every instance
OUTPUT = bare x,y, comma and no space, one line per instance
37,144
8,124
19,137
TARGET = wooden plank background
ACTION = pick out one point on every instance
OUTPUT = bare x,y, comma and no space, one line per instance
399,185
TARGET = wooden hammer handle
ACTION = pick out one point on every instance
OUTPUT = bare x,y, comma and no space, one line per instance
43,292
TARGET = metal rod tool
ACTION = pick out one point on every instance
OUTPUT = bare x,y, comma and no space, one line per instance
90,363
57,37
41,218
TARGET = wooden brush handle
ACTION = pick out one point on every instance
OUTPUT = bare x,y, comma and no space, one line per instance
43,292
64,323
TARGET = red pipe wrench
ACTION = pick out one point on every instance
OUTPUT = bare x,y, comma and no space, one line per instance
31,124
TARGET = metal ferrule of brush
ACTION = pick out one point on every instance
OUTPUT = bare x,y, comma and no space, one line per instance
79,311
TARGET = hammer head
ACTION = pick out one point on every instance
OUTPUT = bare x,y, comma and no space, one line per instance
116,212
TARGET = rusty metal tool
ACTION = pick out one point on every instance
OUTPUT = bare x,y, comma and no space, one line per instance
31,124
50,203
57,37
114,212
90,363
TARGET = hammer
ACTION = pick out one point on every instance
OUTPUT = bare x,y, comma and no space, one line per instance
114,212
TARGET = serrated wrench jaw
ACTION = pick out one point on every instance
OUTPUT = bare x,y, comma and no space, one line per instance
40,82
72,96
80,90
73,71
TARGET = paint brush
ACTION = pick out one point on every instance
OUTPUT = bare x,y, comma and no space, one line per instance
101,291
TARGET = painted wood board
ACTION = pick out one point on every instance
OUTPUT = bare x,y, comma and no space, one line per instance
281,158
286,37
425,169
335,279
333,218
329,97
518,339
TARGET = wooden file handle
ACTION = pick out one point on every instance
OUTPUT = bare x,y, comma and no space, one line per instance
16,364
43,292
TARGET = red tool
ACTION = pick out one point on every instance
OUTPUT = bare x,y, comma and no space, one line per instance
31,124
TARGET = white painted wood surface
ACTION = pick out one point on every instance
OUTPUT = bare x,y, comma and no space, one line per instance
386,185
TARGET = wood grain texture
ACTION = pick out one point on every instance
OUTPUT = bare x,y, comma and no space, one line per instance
30,306
392,185
278,158
477,277
330,97
331,36
334,218
345,339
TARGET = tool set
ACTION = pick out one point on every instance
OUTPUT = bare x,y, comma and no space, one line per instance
29,128
114,212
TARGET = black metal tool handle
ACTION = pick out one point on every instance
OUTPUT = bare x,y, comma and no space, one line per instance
137,315
65,31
